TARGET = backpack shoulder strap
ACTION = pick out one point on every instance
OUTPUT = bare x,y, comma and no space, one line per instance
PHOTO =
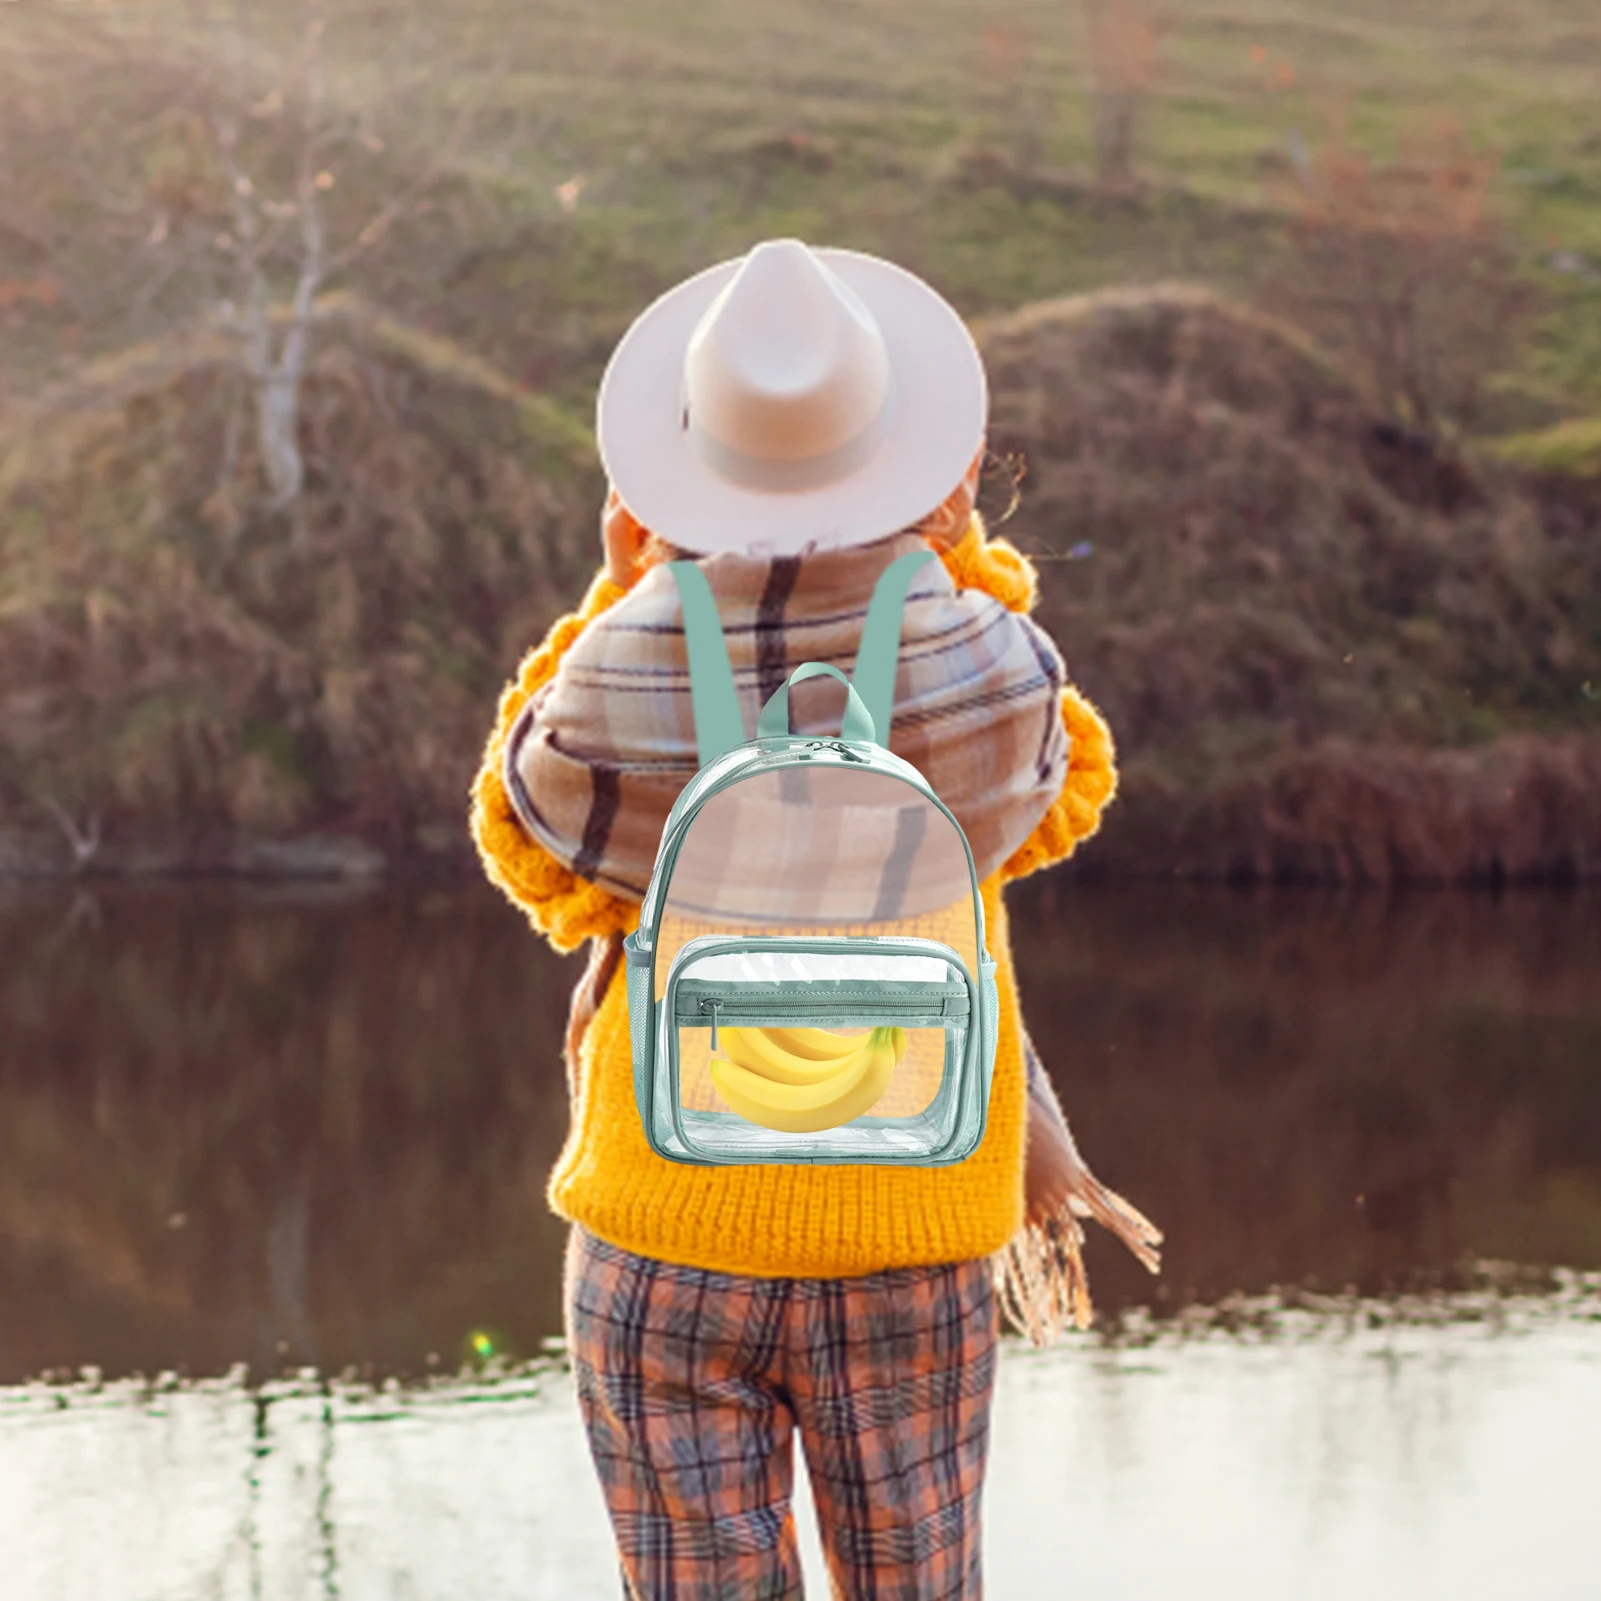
719,727
874,675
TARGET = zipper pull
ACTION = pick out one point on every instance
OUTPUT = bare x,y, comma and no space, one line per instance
711,1006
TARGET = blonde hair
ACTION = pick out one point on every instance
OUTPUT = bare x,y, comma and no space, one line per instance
943,527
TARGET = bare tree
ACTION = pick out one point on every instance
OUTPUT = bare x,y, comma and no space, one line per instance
1014,91
1122,57
1409,266
276,344
84,842
127,132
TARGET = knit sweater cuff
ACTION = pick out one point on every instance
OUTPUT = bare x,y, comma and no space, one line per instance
995,565
563,907
1086,792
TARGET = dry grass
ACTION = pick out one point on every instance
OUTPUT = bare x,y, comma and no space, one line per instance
1282,607
1326,651
1520,808
1572,447
172,663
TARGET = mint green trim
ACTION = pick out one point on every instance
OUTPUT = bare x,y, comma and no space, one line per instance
774,720
641,1029
859,1010
719,726
990,1022
880,647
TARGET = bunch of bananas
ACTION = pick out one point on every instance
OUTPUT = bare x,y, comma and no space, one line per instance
802,1080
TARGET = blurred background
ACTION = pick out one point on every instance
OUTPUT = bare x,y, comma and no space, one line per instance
1292,319
1293,324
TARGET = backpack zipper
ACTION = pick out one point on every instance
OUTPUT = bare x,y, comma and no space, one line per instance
913,943
891,1006
837,746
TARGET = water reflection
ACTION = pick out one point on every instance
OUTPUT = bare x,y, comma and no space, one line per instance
276,1127
1438,1448
291,1126
1329,1090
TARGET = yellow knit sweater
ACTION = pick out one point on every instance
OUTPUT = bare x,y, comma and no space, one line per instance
781,1219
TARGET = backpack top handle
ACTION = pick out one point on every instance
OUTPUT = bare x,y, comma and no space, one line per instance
856,724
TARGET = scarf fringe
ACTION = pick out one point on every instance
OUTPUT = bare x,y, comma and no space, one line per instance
1041,1283
1040,1280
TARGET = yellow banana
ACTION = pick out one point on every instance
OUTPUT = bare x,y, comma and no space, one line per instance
810,1108
756,1050
764,1051
815,1044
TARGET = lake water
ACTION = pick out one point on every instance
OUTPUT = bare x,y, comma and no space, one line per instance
277,1279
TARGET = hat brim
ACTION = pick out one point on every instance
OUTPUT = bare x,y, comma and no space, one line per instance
941,408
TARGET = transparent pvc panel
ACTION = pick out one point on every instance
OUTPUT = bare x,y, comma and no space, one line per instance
818,968
824,849
800,845
795,1036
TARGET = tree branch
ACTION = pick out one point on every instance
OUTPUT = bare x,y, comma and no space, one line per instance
84,842
391,212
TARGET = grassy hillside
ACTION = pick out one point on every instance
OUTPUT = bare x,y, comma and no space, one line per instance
190,679
1327,650
1289,621
1324,636
697,128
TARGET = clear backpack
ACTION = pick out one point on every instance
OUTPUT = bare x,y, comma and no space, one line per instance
809,980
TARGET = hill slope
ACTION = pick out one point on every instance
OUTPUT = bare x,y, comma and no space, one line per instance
194,678
1326,650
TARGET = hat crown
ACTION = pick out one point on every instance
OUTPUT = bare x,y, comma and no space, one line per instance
787,369
791,399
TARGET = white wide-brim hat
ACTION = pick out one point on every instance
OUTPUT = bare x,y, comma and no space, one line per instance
789,399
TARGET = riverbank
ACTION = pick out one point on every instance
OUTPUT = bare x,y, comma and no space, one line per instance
1519,811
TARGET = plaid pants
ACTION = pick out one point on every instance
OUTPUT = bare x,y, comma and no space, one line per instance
690,1384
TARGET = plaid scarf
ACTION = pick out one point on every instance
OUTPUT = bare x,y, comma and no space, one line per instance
607,745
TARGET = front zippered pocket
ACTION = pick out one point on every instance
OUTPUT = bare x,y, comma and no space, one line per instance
821,997
859,1007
